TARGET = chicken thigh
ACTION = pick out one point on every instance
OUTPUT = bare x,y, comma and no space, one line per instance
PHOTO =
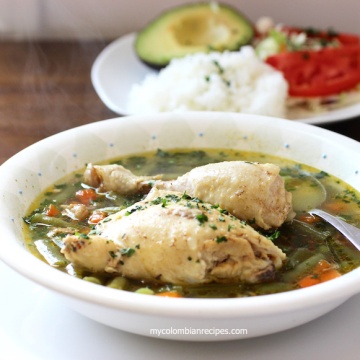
250,191
170,237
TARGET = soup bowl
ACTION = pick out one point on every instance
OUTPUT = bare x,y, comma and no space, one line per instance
30,172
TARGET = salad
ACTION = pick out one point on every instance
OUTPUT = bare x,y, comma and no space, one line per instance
316,63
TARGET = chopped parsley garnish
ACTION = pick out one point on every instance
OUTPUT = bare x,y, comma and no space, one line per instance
321,175
220,239
218,66
223,211
127,252
135,208
201,218
274,235
230,227
185,196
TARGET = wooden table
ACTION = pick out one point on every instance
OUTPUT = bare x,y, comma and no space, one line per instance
45,88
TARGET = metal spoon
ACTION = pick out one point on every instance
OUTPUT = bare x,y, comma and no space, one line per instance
351,232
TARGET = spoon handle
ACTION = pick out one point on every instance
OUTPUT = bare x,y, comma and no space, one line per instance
351,232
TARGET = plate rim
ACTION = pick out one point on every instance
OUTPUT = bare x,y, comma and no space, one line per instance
126,41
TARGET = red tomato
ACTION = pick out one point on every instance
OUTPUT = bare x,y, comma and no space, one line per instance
319,73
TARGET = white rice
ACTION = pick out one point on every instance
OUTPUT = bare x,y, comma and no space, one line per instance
229,81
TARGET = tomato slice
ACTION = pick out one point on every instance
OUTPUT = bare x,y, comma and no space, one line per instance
328,71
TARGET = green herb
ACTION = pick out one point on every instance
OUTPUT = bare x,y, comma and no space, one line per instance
185,196
127,252
60,186
311,31
321,175
220,239
274,235
135,208
172,197
162,153
223,211
227,82
220,69
202,218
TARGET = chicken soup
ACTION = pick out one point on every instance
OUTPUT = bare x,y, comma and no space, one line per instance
196,223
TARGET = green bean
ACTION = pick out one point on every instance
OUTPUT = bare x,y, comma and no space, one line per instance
302,268
92,279
144,290
61,193
40,218
118,282
310,230
298,256
214,290
51,253
271,288
344,253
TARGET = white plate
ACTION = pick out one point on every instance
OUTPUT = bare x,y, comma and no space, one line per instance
117,68
36,325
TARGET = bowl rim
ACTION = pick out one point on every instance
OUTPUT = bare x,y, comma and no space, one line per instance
41,273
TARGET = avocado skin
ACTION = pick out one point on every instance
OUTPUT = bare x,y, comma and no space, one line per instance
164,38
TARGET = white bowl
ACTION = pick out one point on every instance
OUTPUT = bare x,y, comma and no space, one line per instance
32,170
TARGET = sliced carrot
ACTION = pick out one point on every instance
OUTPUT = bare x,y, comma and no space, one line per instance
85,196
308,280
336,206
322,266
329,275
323,271
97,216
309,219
173,294
52,210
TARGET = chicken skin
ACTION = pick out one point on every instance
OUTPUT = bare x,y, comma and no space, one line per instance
170,237
250,191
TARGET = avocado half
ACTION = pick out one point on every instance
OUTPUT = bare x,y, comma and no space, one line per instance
188,29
